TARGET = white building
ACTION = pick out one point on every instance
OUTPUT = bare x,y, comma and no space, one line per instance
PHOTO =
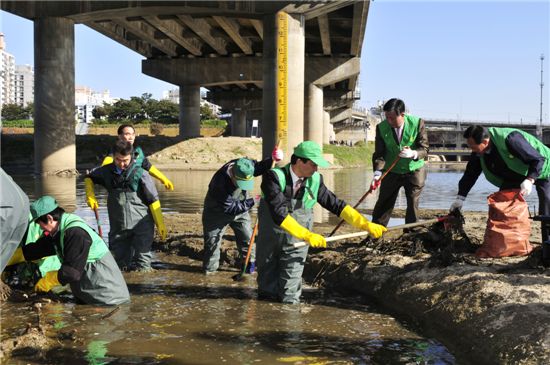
174,96
7,74
86,100
24,85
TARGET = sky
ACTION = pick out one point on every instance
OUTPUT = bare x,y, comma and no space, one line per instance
466,60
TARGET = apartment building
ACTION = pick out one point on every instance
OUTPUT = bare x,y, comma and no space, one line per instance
7,74
174,96
24,85
86,100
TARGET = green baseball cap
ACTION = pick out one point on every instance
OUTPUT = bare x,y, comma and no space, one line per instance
243,170
42,206
311,150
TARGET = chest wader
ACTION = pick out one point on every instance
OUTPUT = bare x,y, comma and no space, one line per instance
215,222
280,265
101,282
132,226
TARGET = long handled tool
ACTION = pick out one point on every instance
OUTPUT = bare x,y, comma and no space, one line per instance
100,231
365,233
365,195
239,276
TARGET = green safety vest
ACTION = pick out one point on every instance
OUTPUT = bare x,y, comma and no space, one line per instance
45,264
135,171
34,231
98,248
408,138
311,185
498,139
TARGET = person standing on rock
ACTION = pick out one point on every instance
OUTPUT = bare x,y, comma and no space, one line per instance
86,263
227,203
126,132
286,217
400,137
133,205
510,159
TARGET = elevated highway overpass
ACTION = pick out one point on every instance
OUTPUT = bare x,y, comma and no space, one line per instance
230,47
446,136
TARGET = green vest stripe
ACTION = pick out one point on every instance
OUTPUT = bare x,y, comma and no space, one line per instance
498,139
33,232
98,248
311,186
408,138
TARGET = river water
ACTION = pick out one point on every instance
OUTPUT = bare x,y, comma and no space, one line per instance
191,186
180,316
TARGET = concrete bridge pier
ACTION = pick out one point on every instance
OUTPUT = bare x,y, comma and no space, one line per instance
63,188
295,84
190,111
327,127
313,128
238,122
54,135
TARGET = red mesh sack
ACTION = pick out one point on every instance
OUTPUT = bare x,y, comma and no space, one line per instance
508,226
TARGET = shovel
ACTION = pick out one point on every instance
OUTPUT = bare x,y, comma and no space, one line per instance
365,195
239,276
100,231
365,233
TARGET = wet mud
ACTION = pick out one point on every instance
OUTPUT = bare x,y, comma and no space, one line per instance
490,311
493,311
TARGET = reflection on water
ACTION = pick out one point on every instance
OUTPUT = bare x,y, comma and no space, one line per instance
191,186
180,316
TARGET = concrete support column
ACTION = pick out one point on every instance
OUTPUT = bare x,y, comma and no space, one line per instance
327,128
190,111
54,104
295,84
238,122
313,128
63,188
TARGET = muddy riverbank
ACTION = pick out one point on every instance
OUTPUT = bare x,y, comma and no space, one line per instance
494,311
167,153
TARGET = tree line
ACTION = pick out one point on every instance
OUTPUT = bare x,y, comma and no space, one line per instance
135,110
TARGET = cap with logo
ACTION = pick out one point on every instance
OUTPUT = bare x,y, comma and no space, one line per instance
243,171
312,151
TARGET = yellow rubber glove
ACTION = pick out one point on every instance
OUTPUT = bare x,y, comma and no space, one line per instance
107,160
156,211
355,218
298,231
17,257
47,282
90,194
163,179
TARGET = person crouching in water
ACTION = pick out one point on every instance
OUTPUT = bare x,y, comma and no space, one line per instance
86,263
133,205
